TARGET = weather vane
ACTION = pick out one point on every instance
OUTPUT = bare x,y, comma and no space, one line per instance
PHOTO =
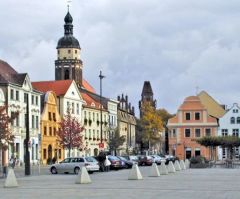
68,3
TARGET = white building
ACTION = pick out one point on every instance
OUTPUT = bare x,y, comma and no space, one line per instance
14,88
229,124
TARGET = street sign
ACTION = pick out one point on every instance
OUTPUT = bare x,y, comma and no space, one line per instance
101,145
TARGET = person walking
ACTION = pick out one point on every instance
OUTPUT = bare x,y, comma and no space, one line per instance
107,164
101,159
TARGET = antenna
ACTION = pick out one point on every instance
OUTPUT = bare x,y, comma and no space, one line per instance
197,90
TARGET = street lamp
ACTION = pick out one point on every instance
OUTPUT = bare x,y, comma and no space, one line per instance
101,77
27,155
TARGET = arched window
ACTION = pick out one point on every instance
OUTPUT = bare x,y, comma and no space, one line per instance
232,120
66,75
238,120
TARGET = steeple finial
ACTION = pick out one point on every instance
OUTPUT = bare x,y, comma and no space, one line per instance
68,4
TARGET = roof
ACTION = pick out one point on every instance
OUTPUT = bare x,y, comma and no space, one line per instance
90,102
147,89
9,75
87,86
192,103
60,87
213,107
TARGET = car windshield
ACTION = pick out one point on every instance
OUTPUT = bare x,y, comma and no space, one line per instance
90,159
113,158
122,158
133,158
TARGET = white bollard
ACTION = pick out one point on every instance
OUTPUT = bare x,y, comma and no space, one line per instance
83,177
163,169
11,180
171,168
177,165
154,172
182,165
187,164
134,173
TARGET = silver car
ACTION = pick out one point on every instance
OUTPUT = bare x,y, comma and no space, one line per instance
73,165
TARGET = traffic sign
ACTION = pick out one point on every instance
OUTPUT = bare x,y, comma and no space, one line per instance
101,145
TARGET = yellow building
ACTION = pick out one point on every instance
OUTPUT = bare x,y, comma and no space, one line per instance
50,119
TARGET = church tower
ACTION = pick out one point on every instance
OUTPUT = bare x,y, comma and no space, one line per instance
147,97
68,64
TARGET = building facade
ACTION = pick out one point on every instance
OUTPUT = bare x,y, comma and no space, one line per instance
229,125
50,119
16,91
192,121
68,98
126,125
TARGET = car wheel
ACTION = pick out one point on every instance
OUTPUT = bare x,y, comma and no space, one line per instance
90,172
53,170
76,170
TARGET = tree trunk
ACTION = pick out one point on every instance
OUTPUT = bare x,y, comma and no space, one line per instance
69,152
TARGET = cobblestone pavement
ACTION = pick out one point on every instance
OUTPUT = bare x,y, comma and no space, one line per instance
189,184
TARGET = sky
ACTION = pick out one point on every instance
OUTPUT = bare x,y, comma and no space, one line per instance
181,47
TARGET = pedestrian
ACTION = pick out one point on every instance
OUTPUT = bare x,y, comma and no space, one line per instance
107,164
101,159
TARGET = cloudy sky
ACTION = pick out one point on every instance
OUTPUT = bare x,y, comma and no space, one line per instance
176,45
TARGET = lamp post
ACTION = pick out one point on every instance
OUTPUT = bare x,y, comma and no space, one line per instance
27,155
101,77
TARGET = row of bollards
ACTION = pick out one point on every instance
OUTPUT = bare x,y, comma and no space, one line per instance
134,174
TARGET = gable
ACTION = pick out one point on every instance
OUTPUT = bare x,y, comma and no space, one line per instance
73,92
27,84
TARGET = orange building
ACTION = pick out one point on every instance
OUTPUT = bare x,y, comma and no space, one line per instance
50,119
192,121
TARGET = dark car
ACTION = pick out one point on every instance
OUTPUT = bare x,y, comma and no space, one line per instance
145,160
170,158
127,163
132,158
115,162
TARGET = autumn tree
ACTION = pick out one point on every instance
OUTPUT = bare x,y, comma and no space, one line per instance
70,135
151,125
165,116
6,134
116,141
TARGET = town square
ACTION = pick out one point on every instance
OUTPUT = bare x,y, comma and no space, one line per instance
130,99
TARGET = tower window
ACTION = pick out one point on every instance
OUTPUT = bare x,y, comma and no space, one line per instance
69,51
66,75
58,52
75,51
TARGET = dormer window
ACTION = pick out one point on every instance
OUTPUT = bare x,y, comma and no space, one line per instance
92,104
187,116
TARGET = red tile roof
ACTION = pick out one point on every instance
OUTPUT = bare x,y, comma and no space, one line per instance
90,102
87,86
60,87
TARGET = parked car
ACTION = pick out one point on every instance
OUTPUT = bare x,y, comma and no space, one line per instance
145,160
158,159
132,158
128,163
116,163
74,165
170,158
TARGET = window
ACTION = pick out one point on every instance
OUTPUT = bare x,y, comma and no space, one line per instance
54,117
58,52
187,116
90,134
208,132
45,130
187,132
232,120
50,131
17,95
12,121
93,116
49,116
68,106
25,97
69,51
73,108
59,154
44,153
197,116
17,120
224,132
36,100
197,133
235,132
174,132
75,51
77,108
54,131
37,124
197,152
33,122
32,99
11,94
238,120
